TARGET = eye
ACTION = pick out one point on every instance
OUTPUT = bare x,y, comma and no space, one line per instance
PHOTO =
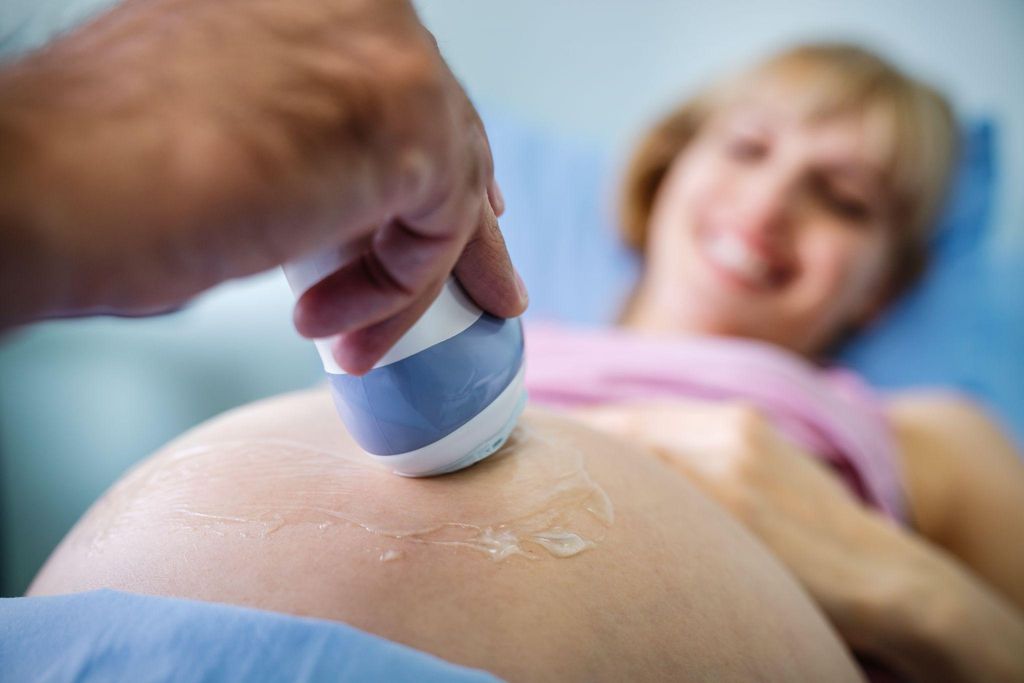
847,207
843,203
745,148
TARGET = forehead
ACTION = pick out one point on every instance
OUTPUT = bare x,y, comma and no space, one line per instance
852,134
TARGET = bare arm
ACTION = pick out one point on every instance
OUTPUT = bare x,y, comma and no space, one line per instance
965,486
940,622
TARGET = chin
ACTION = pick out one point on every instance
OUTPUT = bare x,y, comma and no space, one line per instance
712,320
728,320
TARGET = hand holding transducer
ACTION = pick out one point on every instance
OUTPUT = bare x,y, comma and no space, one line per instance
168,146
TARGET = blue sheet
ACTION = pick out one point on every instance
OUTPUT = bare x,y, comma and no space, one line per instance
109,635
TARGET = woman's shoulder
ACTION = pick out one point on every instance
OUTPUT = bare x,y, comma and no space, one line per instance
947,434
950,446
941,412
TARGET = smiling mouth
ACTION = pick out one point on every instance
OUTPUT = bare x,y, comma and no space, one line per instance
739,262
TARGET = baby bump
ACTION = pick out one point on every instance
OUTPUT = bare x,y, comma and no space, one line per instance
565,556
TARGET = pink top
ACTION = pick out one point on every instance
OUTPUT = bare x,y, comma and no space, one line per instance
831,413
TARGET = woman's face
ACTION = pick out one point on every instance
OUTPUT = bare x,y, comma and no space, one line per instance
770,226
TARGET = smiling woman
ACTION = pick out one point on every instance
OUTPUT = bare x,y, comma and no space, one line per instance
790,204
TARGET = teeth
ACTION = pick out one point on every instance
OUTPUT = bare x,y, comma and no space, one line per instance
732,253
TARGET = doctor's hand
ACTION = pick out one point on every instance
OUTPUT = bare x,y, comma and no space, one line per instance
891,595
173,144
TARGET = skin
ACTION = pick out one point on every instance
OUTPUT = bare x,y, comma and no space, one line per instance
170,145
674,590
805,201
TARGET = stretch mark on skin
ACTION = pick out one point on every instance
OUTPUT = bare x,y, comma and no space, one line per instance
533,499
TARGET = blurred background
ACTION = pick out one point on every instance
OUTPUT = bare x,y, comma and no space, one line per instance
564,86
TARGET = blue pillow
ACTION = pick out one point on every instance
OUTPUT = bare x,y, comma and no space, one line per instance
558,196
958,328
966,218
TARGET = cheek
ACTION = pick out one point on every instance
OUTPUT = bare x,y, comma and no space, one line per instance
705,194
688,194
844,267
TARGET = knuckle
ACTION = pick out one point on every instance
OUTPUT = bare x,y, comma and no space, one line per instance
477,173
737,465
747,418
383,279
417,81
415,96
743,504
746,424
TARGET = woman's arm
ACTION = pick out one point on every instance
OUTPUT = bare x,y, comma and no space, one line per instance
965,485
941,622
891,595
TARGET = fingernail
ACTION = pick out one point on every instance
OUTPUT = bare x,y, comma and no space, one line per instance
524,296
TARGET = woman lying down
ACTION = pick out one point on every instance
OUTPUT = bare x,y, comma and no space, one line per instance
691,496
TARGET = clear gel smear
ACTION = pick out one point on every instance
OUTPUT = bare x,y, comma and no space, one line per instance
533,499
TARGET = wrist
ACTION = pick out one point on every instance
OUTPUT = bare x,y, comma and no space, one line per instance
893,602
110,186
920,626
938,622
33,277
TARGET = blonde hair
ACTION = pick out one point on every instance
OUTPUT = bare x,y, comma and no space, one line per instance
830,79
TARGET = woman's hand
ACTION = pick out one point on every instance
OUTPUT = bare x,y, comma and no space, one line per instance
172,144
889,594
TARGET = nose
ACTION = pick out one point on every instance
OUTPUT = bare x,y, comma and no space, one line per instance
763,211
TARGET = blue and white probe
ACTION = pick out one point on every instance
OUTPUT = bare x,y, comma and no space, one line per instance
447,395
